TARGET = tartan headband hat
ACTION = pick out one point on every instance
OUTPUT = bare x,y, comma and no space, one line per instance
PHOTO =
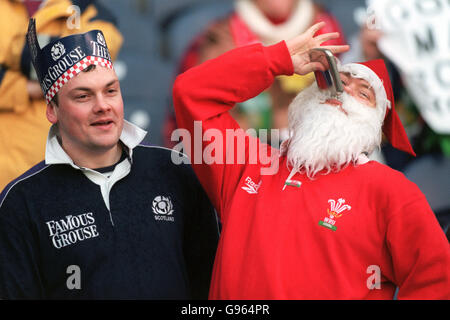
62,59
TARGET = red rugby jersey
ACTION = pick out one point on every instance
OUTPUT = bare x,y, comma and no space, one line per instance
356,234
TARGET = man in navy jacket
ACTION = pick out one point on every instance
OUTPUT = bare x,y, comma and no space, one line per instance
103,216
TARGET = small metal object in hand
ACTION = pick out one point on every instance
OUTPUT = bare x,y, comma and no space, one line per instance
329,79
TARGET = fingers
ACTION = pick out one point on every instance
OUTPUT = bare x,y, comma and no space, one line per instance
337,49
330,36
313,66
327,36
316,27
318,56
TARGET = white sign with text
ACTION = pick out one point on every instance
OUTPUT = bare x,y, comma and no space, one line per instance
416,38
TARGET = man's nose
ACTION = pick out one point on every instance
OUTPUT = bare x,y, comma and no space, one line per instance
101,104
348,89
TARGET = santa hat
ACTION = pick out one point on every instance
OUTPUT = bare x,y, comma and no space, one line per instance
62,59
375,72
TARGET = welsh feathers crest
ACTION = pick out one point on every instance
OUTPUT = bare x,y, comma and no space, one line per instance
57,50
336,209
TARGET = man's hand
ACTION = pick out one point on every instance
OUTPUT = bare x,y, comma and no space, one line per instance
300,46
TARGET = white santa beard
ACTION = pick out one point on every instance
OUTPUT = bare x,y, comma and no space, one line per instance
325,138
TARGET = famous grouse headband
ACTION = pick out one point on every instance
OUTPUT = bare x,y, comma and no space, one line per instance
61,60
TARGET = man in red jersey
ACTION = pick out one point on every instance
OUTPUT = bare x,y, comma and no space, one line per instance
324,222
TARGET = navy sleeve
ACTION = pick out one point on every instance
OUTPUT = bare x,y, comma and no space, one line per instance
200,241
19,268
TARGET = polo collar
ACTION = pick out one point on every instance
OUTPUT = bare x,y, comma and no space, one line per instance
131,136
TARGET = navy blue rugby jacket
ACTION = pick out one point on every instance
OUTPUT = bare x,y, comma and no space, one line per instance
148,231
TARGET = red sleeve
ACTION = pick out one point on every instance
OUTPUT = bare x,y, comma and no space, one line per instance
420,252
205,93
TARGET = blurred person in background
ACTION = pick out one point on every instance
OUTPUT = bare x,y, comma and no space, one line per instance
23,125
266,22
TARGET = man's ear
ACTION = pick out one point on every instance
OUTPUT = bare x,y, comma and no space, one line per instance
52,113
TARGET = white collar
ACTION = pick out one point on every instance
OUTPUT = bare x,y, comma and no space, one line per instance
131,136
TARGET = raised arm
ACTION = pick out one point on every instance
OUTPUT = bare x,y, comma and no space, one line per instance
204,94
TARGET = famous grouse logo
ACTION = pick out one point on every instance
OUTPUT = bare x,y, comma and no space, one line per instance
57,51
72,229
101,40
335,211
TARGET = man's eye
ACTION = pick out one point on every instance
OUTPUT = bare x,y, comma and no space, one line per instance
111,91
81,97
344,83
364,95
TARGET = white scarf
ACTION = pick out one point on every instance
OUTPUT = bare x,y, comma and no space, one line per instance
300,19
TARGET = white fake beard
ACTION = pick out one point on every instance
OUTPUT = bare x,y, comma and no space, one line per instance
325,138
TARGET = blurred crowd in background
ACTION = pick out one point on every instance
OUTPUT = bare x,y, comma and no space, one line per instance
154,40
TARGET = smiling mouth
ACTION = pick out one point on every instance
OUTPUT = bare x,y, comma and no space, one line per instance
102,123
